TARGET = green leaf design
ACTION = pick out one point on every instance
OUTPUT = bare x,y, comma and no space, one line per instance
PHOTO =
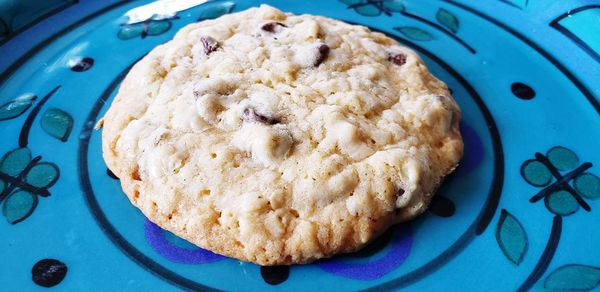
129,31
536,173
511,237
447,19
588,185
158,27
562,158
57,123
368,10
393,5
351,2
18,206
414,33
573,277
14,161
43,175
561,203
215,9
16,107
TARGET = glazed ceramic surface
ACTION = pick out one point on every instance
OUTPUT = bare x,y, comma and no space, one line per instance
521,211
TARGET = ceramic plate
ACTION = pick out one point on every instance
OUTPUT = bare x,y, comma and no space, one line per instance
521,212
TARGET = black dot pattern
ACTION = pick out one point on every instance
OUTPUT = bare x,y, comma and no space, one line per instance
48,272
275,275
522,90
442,206
82,64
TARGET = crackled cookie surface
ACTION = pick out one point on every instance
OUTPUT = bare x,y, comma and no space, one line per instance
280,139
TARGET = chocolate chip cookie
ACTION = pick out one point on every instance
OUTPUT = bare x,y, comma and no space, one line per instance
280,139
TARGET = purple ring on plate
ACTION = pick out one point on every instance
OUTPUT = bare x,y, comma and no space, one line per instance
473,155
157,240
399,249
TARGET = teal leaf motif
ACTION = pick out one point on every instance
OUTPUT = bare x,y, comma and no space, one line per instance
129,31
414,33
57,123
367,10
14,161
393,5
158,27
18,206
215,9
561,203
511,237
447,19
144,29
16,107
573,277
536,173
588,185
42,175
562,158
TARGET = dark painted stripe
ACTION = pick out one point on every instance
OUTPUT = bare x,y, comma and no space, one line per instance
14,66
511,4
5,25
588,95
39,19
19,183
547,255
579,42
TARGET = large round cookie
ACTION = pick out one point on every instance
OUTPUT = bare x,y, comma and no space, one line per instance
280,139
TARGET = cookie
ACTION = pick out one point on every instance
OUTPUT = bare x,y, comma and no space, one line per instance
280,139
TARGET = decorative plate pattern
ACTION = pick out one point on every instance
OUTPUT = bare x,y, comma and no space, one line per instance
519,213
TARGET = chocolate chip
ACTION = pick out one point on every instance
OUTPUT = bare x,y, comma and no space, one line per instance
322,55
398,59
250,115
271,26
400,192
210,44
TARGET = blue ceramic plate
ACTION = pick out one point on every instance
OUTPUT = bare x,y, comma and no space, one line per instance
521,212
